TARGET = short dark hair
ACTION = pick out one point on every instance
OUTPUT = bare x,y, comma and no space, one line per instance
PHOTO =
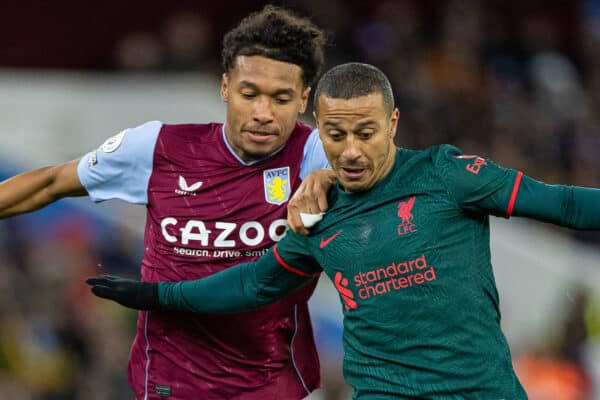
280,35
347,81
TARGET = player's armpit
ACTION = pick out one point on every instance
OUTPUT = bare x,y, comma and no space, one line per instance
35,189
310,198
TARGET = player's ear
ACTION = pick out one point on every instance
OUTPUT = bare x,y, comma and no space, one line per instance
394,122
304,97
224,87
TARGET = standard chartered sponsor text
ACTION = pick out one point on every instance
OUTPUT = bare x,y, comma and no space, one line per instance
395,276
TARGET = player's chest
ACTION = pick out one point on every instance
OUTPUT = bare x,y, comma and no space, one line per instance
214,189
395,230
388,249
220,207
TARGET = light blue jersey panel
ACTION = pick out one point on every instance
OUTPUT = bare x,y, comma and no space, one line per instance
314,155
121,167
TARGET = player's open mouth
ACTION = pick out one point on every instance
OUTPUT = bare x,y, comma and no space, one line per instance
353,173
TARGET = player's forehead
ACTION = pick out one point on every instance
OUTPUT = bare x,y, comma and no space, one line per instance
265,74
356,112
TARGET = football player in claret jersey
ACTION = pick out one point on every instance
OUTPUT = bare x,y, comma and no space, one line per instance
216,196
406,243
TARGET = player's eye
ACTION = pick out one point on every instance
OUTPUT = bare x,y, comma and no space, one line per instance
335,134
366,135
248,95
283,100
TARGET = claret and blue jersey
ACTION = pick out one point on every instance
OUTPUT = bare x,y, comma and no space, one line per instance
206,211
411,262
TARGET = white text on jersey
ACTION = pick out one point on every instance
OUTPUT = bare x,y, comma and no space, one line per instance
251,233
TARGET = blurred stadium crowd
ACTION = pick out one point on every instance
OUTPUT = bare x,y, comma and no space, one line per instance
517,83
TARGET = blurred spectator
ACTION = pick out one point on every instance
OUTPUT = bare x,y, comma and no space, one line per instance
560,373
50,344
139,51
189,42
546,378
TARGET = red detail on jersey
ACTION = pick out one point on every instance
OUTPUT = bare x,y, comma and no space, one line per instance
513,196
341,284
288,266
325,242
466,156
476,166
406,216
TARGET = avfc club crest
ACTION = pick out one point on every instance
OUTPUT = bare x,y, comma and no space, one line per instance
277,185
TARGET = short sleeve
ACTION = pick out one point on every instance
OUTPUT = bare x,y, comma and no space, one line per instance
293,254
121,167
477,184
314,156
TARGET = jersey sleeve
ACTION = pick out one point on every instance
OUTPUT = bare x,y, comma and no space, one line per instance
570,206
314,155
240,288
121,167
293,254
477,184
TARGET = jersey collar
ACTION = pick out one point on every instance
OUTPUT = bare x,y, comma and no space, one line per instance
234,154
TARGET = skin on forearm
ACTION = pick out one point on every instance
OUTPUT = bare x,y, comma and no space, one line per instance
35,189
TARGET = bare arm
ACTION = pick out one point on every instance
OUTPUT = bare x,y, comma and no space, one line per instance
35,189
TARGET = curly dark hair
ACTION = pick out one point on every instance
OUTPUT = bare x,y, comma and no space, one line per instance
278,34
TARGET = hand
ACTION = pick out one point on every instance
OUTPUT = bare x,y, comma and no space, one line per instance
127,292
310,198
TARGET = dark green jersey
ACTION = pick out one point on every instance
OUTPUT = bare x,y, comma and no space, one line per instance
411,261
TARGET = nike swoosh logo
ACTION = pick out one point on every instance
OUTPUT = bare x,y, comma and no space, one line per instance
325,242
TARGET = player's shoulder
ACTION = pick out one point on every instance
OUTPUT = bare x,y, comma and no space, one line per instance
444,154
429,156
303,128
147,128
194,130
426,162
449,160
442,151
303,131
154,125
130,138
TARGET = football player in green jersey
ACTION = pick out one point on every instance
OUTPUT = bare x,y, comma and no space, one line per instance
406,243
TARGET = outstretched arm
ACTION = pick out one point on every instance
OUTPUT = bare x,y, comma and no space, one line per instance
240,288
35,189
570,206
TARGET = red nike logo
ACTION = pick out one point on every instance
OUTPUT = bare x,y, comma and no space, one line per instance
325,242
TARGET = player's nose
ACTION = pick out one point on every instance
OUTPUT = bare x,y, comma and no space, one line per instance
263,112
352,149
